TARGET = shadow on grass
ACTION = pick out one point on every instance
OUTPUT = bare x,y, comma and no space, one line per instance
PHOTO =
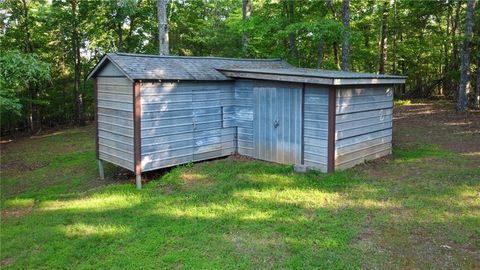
232,214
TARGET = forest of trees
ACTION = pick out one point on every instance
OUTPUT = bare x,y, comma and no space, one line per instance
48,47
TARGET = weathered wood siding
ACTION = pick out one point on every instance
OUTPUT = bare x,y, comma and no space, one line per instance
185,121
363,124
243,117
110,70
316,126
115,120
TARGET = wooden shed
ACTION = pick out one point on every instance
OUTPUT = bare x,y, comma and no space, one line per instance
154,112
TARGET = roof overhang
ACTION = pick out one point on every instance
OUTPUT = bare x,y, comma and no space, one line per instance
103,61
308,78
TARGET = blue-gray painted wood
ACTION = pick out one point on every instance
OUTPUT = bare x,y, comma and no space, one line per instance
110,70
363,124
316,126
185,121
115,119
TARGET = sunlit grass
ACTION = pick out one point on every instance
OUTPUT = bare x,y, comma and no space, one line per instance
401,102
238,214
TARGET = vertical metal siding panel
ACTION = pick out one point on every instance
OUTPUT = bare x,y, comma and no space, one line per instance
315,126
364,124
280,102
113,139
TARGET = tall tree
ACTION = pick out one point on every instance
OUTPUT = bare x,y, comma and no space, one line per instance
76,46
246,12
383,38
321,43
346,26
289,7
465,60
162,27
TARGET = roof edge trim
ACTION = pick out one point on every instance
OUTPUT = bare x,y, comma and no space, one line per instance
307,78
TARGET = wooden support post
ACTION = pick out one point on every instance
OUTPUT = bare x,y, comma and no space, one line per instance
138,181
100,169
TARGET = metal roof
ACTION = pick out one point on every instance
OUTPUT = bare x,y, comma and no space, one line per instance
156,67
316,76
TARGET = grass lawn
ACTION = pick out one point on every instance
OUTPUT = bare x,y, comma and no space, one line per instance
418,209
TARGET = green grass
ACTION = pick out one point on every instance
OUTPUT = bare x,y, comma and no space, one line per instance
401,102
419,210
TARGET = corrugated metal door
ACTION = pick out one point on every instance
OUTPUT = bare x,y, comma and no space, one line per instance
277,124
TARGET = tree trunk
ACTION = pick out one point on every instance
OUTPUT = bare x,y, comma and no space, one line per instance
246,11
477,87
383,39
335,54
79,111
34,121
321,46
465,61
346,26
162,27
394,49
289,7
321,42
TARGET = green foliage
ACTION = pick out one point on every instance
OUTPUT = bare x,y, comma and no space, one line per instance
18,72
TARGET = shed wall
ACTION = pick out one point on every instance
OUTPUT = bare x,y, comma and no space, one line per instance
316,126
363,124
115,120
185,121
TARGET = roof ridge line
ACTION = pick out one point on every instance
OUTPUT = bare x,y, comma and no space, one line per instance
194,57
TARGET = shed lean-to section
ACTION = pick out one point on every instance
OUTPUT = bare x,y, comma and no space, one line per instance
158,111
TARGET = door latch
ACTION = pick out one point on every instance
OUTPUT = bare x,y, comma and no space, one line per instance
276,123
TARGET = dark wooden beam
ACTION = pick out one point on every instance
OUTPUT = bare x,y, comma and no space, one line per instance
136,128
332,100
95,107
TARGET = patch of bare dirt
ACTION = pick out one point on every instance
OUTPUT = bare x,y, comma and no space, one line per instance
16,212
194,181
21,166
431,123
7,261
239,157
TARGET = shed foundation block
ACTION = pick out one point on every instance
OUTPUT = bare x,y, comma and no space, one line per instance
300,168
101,172
138,181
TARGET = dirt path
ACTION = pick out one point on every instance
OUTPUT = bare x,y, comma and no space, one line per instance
437,123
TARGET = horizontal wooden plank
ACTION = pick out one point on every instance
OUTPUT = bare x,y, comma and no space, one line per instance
371,156
364,91
343,134
363,138
361,155
117,161
115,81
